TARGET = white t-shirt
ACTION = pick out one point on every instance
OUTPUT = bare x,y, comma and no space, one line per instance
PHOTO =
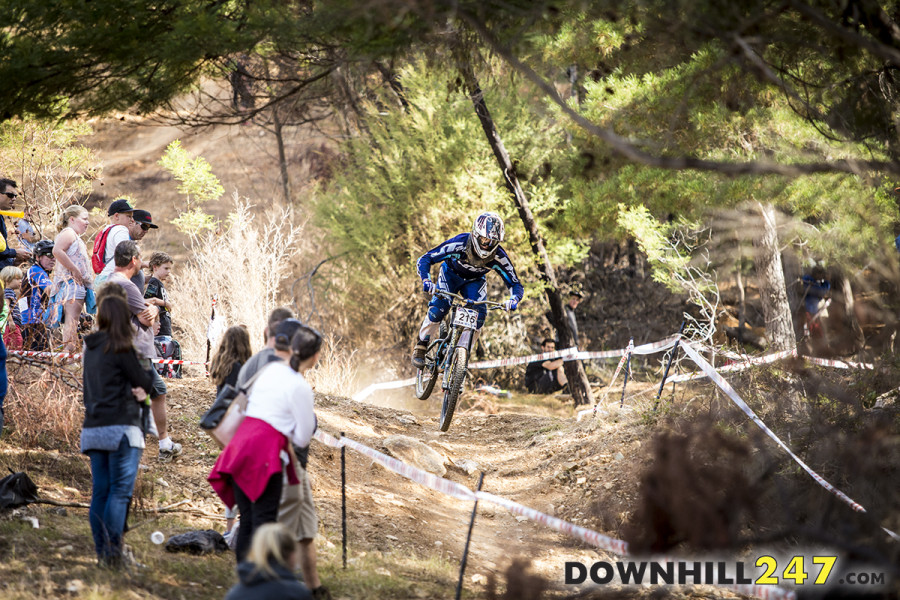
117,235
281,397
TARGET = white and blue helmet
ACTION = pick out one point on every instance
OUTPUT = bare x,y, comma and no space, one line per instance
487,233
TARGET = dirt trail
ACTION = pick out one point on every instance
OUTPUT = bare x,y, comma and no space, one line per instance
549,463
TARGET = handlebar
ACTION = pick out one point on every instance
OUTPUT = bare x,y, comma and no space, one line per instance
491,305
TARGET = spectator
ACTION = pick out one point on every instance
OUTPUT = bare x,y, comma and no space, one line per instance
250,470
27,234
115,422
267,354
547,376
233,352
296,509
9,257
269,570
816,298
73,277
574,299
121,220
156,294
128,260
160,267
143,222
12,336
36,288
4,382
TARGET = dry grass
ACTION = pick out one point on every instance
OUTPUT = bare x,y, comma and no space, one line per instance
244,264
44,406
337,372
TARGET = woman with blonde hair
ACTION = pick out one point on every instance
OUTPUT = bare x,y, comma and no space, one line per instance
269,570
73,276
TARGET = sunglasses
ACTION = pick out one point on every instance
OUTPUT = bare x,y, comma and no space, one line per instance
11,195
145,227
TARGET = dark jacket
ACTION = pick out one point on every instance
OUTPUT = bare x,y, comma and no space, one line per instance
232,377
108,379
259,585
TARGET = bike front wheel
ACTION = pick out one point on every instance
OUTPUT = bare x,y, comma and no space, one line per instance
427,375
457,377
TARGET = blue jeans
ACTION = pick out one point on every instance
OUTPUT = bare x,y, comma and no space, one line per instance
113,476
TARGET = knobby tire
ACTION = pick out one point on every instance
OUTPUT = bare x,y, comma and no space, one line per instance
457,377
430,370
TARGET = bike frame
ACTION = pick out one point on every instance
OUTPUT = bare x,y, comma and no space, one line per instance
457,337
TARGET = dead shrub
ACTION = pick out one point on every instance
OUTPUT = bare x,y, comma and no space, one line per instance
695,491
337,371
244,263
520,584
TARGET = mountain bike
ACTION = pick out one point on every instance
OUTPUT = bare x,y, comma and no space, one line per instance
449,353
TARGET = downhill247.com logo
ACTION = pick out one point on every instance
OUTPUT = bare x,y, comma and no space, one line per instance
767,570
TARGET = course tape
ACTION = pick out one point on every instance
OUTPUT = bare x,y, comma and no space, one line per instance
461,492
746,363
649,348
566,354
731,393
158,361
593,409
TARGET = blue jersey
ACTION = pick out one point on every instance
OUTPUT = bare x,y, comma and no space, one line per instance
37,283
453,254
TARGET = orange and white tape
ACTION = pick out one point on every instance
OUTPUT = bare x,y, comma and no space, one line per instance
461,492
158,361
729,391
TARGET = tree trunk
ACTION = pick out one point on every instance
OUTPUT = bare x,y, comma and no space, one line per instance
776,309
859,338
578,381
282,156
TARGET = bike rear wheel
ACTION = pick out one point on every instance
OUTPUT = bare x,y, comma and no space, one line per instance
427,375
457,377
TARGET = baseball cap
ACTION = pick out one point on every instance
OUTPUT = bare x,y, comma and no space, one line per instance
143,217
119,206
286,328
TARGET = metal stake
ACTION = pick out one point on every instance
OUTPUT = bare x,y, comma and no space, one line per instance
465,556
668,365
627,371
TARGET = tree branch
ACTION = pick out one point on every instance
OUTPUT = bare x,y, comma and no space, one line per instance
629,149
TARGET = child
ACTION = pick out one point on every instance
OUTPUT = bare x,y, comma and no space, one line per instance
116,420
36,288
270,566
160,267
12,335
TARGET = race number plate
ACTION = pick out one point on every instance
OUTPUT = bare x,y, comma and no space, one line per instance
466,317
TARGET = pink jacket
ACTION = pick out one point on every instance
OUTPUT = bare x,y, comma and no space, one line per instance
250,460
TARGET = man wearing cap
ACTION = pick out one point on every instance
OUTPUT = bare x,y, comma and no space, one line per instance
143,222
121,219
9,257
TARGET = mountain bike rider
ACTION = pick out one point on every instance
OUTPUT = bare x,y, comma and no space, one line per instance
467,259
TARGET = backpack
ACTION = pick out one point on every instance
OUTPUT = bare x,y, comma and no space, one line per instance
99,251
17,490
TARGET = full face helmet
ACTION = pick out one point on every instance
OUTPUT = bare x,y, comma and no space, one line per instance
487,233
